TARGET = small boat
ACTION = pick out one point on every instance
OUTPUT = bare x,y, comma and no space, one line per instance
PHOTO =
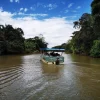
51,56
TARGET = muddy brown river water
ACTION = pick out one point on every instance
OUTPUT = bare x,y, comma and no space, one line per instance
24,77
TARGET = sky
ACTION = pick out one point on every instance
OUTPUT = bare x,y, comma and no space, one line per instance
51,18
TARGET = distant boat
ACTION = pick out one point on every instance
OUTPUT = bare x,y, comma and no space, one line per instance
51,56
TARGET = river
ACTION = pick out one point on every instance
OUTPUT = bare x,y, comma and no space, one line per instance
24,77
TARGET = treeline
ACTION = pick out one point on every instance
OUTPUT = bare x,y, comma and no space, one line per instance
86,40
34,44
13,42
62,46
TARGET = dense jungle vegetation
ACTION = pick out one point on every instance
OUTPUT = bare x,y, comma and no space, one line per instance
86,40
13,42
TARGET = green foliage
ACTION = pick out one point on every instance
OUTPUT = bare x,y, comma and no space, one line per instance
11,40
84,36
96,27
34,44
89,30
68,47
40,42
95,7
29,45
14,47
96,14
95,50
2,47
58,46
62,46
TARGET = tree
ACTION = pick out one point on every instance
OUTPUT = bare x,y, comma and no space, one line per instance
11,40
34,44
2,40
84,36
86,40
62,46
68,47
30,45
95,50
40,42
95,5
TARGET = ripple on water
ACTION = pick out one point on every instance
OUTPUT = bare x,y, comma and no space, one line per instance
26,78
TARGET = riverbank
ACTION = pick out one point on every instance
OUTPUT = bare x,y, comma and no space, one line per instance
83,54
24,53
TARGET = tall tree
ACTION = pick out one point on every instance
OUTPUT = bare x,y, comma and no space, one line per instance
84,36
11,40
34,44
95,5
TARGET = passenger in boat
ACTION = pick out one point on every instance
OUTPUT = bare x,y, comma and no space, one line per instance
47,53
57,54
52,53
57,61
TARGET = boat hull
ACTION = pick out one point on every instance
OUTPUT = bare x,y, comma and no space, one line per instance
46,62
52,59
50,63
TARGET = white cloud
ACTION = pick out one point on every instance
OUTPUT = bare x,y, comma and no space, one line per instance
72,17
39,4
17,1
21,9
50,6
31,8
70,5
5,15
25,10
78,7
42,15
74,11
63,3
35,15
20,13
66,11
1,9
47,6
55,30
11,0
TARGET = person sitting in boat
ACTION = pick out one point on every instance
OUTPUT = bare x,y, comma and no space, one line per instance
52,53
57,61
57,54
47,53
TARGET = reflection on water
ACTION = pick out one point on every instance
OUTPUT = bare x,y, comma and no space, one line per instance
26,78
85,60
10,70
51,68
9,61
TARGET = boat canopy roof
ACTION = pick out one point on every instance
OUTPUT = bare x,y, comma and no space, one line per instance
52,49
